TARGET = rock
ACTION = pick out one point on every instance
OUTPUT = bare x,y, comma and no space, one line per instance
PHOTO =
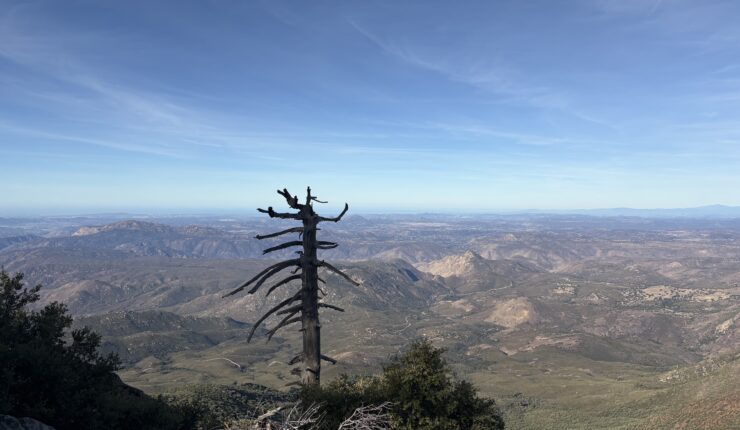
10,423
32,424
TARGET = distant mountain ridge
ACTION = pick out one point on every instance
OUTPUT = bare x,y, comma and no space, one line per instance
143,238
709,211
130,225
123,218
6,242
138,238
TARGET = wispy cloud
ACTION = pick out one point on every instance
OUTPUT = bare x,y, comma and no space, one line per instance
110,144
626,6
62,82
489,74
504,82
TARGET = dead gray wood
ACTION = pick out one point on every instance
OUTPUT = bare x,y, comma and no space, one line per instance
307,265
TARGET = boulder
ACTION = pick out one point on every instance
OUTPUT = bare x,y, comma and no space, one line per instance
11,423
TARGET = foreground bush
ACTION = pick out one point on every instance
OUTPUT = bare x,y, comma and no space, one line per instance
228,406
58,377
423,394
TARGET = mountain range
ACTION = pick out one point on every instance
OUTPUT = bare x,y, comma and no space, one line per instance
525,306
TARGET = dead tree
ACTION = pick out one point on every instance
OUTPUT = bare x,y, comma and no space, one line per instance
303,306
369,418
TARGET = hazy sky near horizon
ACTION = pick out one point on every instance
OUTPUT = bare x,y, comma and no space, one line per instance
399,105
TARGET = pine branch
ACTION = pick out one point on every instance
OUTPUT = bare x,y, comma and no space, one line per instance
270,312
281,265
274,214
282,246
283,323
283,282
267,276
290,230
292,200
339,272
291,309
329,359
326,305
336,218
322,244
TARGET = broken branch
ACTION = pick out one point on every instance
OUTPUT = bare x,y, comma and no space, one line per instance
329,359
326,245
282,246
283,282
291,309
281,265
283,323
270,312
326,305
274,214
268,275
290,230
336,218
292,200
339,272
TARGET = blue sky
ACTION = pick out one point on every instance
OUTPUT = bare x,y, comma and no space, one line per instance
396,105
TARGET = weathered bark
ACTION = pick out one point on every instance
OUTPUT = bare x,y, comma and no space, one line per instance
308,264
310,314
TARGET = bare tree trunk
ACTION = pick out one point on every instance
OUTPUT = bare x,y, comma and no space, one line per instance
308,295
310,316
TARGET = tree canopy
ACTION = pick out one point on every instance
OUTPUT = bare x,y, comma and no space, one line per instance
55,374
421,388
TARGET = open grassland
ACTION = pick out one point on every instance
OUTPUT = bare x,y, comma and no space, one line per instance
542,389
616,396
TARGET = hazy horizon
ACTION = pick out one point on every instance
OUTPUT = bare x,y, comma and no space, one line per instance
245,212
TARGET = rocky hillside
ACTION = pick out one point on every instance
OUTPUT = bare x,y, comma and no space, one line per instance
570,309
469,272
137,335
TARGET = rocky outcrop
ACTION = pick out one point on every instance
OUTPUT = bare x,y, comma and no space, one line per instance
11,423
514,312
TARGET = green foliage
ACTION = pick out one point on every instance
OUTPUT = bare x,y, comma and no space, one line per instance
422,390
59,377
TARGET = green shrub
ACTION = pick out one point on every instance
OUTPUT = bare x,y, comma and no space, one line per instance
58,376
423,393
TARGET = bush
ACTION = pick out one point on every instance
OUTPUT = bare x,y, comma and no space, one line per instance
220,404
423,393
58,376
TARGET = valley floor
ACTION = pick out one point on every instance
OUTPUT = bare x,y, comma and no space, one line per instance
568,322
